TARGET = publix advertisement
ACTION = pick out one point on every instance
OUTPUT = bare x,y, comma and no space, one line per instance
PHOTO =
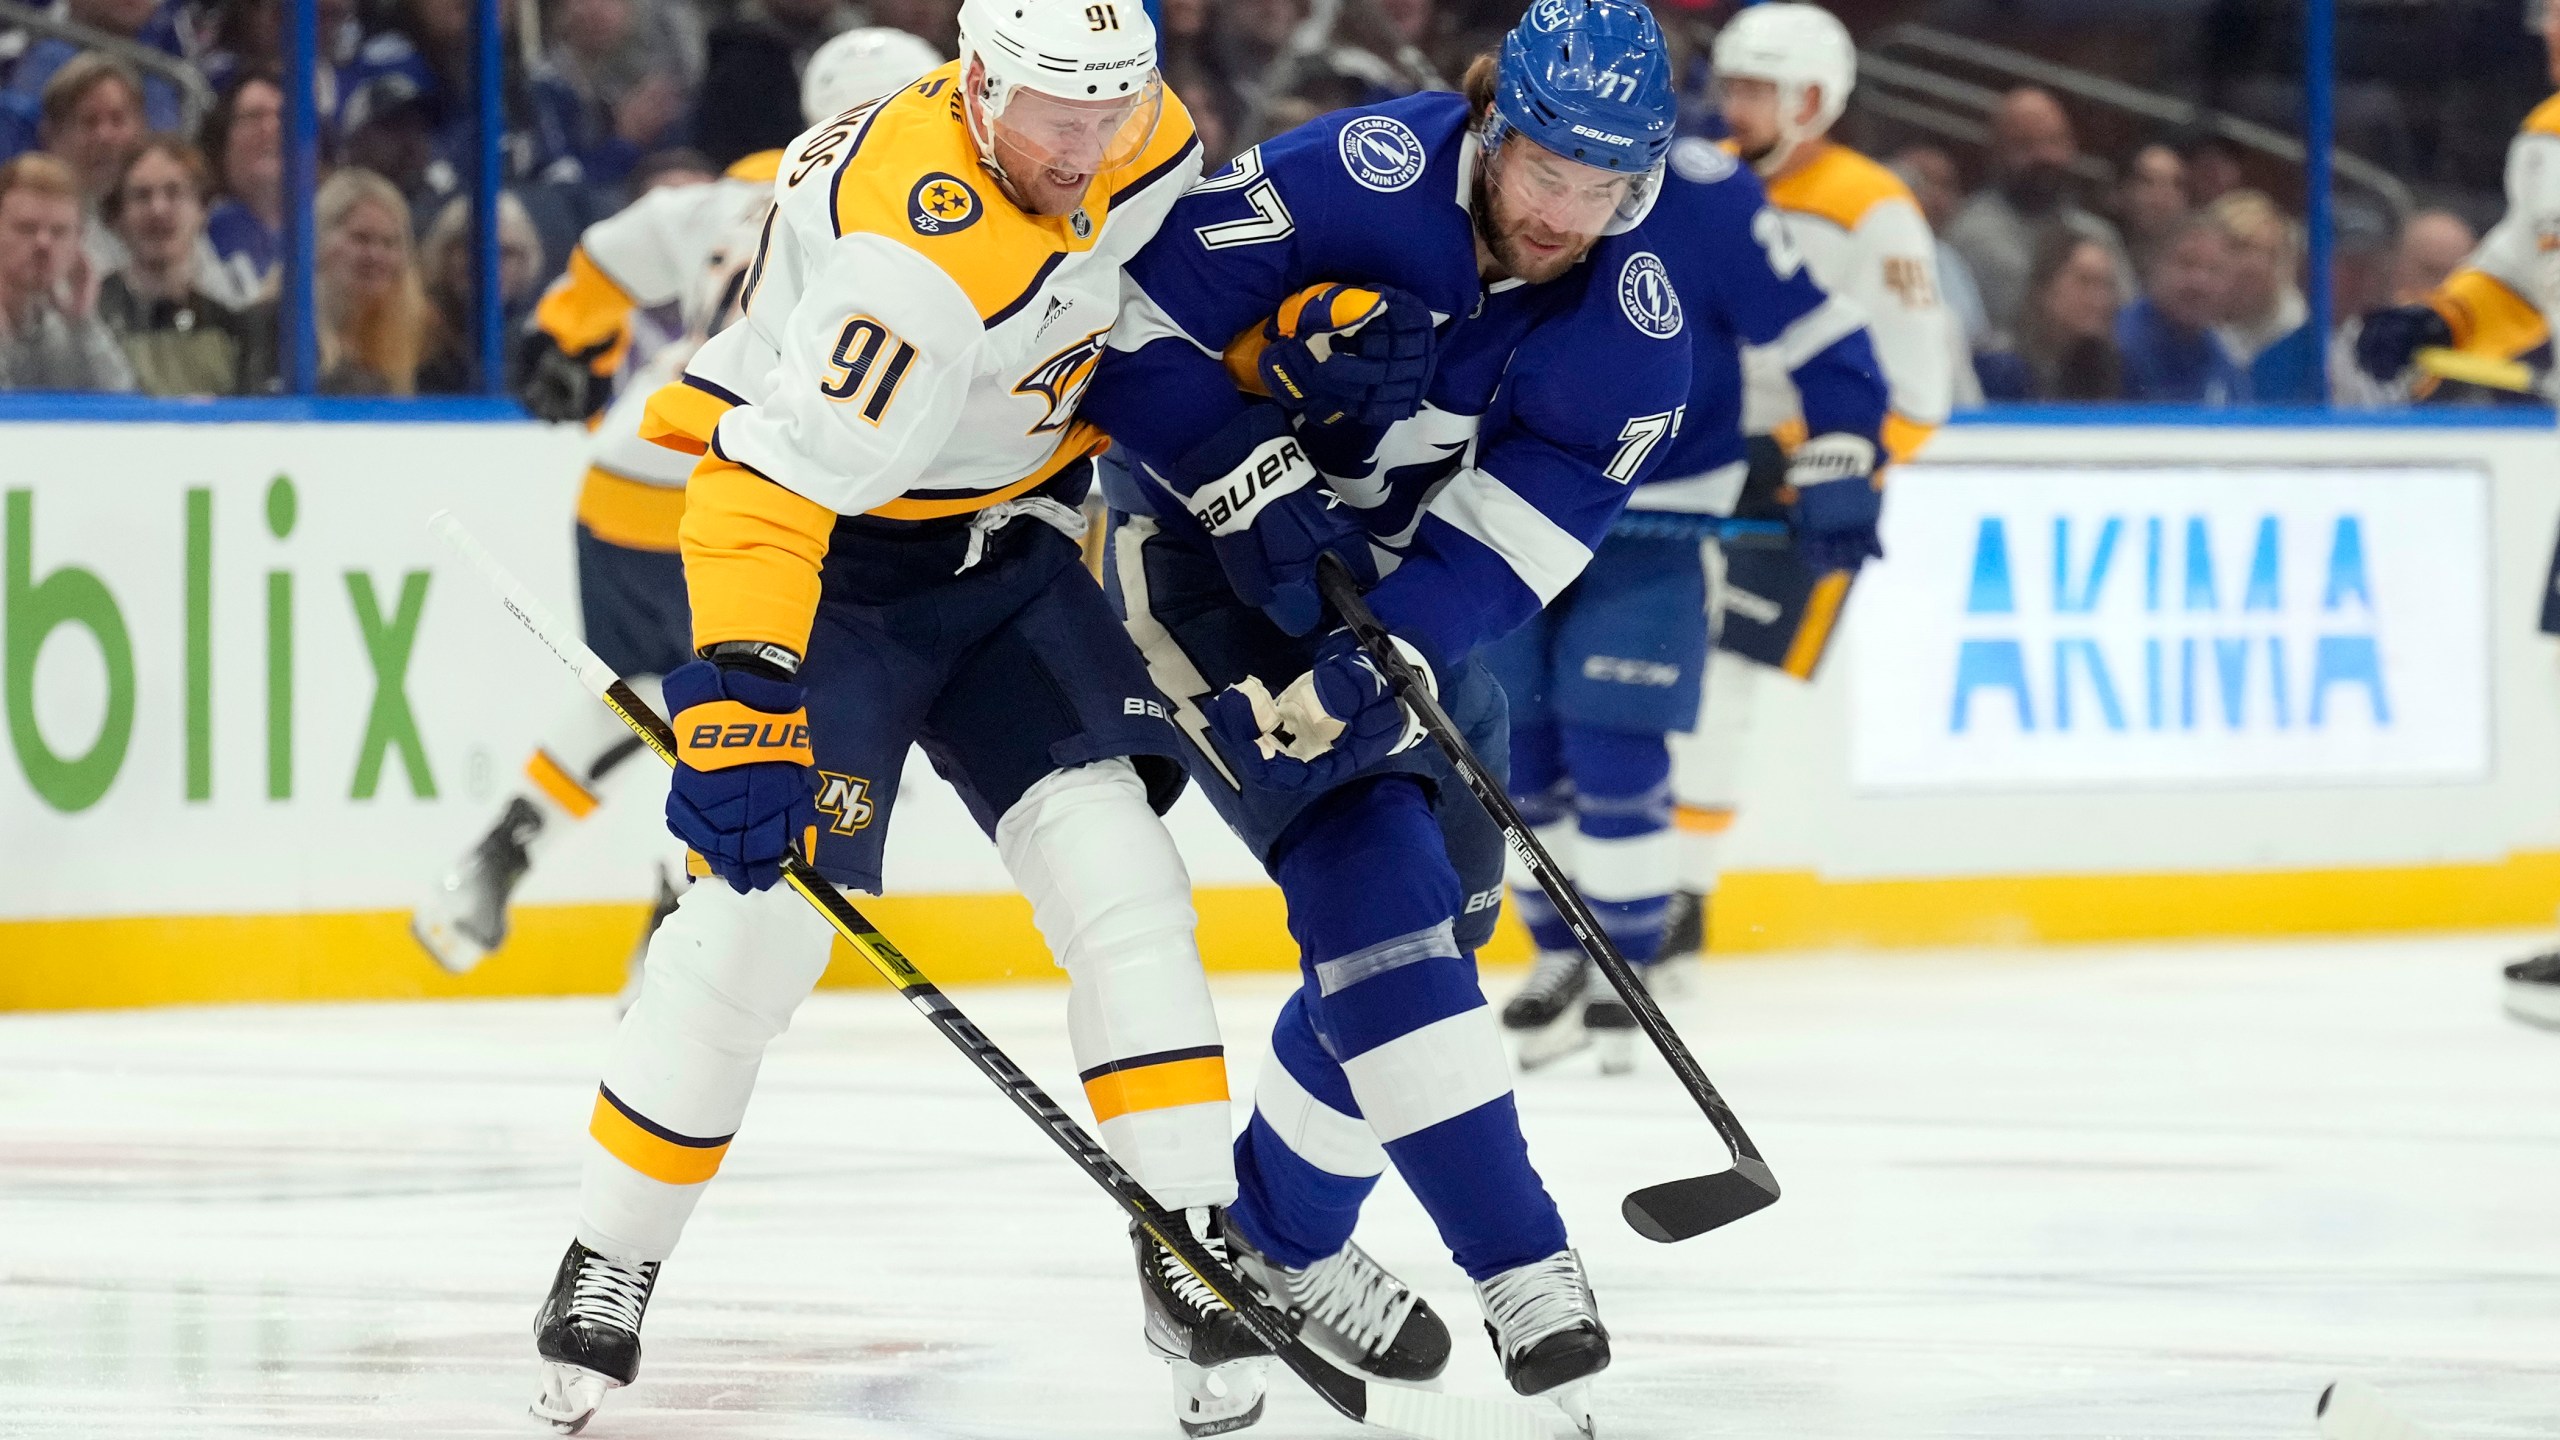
241,676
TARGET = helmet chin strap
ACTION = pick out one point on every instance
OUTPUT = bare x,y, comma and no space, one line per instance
1793,134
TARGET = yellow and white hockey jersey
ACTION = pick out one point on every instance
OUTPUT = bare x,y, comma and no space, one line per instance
912,347
1865,240
2503,300
681,245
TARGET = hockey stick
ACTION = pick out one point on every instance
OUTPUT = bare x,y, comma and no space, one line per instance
1674,1209
1685,525
2463,368
1430,1414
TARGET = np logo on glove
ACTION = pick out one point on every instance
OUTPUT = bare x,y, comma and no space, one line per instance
1834,504
746,779
1338,353
1328,725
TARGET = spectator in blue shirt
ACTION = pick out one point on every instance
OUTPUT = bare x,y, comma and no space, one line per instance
244,139
2171,355
2266,322
145,22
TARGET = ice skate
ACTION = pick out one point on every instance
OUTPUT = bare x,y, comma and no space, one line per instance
668,895
1546,1330
1612,1024
465,916
1686,925
588,1334
1353,1310
2533,990
1216,1360
1545,1014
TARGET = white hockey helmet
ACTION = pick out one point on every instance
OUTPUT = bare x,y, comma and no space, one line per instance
861,65
1796,48
1067,84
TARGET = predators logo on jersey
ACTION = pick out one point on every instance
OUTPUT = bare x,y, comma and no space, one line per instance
845,800
942,204
1061,379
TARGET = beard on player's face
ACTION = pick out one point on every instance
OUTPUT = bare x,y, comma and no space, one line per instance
1513,222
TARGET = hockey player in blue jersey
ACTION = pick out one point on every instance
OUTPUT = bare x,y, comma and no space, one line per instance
1431,335
1600,678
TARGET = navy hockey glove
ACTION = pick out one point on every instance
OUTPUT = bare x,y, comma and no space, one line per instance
554,384
1252,487
745,782
1333,722
1836,504
2392,338
1341,352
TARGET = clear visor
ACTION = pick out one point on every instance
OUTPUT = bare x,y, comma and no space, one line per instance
1033,130
1565,196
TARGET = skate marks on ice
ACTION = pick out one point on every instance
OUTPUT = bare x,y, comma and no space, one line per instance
2166,1193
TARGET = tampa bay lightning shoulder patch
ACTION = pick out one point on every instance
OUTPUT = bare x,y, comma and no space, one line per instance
1382,153
1645,294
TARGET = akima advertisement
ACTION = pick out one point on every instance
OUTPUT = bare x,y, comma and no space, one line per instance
2035,626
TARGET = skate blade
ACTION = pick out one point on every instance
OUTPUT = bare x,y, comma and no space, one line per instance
1574,1401
569,1398
1219,1399
2353,1410
454,952
2534,1004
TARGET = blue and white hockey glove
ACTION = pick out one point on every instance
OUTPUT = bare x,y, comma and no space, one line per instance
1331,723
2391,338
1836,504
1252,487
746,777
1342,352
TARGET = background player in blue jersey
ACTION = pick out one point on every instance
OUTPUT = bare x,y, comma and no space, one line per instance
1278,386
1599,680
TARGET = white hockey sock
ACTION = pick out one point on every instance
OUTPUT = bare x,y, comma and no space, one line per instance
725,972
1110,894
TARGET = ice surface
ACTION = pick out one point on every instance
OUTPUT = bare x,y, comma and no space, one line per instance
2142,1193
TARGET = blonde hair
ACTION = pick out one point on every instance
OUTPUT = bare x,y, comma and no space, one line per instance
41,174
2244,215
388,336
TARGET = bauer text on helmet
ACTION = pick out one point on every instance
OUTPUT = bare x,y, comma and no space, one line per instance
1786,71
1574,138
858,67
1059,91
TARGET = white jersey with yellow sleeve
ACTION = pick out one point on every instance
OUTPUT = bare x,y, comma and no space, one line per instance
912,346
1863,237
2504,299
681,245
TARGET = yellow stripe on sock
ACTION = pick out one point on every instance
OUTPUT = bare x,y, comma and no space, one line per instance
1195,1081
662,1155
1702,819
563,788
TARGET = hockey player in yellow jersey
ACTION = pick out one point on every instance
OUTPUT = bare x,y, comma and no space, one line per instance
1785,72
881,551
687,246
2503,302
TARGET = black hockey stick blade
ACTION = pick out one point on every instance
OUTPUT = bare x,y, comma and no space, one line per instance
1676,1210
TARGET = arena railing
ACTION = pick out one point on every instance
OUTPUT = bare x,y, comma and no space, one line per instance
195,96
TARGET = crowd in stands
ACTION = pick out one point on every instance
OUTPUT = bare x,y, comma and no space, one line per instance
142,205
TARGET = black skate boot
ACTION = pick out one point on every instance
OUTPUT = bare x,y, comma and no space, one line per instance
1545,1013
465,916
1613,1027
588,1334
2533,990
1546,1330
1687,932
1353,1310
1216,1359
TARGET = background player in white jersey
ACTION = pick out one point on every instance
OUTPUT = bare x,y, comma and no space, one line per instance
1785,71
2503,302
682,245
880,550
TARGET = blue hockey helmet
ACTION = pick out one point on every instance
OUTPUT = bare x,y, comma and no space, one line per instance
1589,80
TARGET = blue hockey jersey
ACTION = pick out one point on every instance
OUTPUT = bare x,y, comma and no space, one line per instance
1741,282
1549,403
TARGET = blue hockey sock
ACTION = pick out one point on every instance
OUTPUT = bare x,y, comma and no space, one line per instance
1626,855
1400,1035
1544,793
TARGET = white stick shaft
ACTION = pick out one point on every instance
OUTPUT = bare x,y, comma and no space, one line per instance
535,616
